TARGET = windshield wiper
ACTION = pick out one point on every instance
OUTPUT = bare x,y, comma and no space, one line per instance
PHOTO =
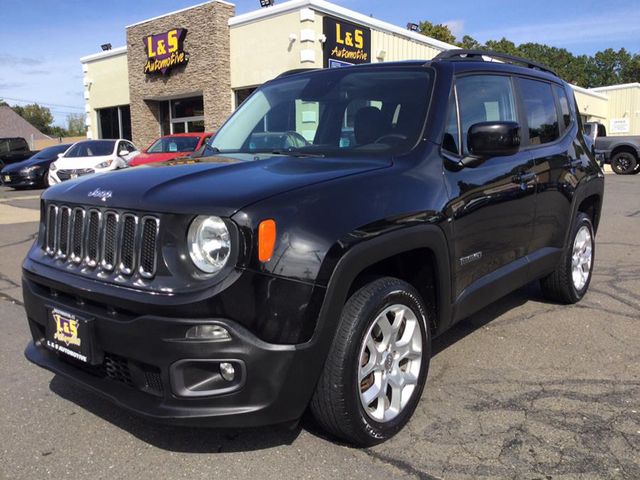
296,153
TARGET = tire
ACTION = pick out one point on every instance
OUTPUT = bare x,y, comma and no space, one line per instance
624,163
561,285
337,403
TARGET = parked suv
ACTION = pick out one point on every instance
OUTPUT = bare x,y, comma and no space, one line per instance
242,288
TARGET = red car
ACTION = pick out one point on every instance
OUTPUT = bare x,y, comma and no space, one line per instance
170,147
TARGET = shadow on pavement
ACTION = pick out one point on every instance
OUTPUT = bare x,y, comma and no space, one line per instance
530,292
175,438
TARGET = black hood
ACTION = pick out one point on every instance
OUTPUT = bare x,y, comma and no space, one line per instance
214,185
29,162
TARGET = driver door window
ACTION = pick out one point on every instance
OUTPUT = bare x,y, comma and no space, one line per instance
484,98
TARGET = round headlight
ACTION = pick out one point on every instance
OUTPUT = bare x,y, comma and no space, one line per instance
209,243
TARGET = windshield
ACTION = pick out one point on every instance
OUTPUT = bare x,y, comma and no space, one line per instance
50,152
173,145
92,148
332,112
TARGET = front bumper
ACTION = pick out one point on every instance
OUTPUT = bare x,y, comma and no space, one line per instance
147,362
62,175
22,180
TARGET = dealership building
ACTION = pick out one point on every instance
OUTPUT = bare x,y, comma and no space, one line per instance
185,71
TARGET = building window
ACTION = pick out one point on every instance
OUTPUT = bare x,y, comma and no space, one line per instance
243,94
114,122
182,115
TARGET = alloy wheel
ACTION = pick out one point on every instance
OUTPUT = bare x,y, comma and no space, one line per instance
389,362
581,257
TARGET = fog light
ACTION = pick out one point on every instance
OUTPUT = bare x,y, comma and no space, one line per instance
208,332
227,371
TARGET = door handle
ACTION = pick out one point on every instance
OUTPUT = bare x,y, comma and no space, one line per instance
576,162
524,177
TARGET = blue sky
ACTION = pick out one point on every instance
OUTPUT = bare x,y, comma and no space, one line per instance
42,40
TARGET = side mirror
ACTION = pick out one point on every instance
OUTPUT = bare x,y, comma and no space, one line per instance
60,155
493,139
123,153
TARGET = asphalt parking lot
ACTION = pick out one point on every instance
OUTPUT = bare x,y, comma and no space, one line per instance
524,389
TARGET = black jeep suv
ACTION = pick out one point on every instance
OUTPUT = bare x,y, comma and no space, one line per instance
339,220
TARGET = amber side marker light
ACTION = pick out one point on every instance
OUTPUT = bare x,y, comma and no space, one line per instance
266,239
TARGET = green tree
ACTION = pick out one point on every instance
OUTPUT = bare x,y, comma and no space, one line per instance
502,46
438,31
75,124
631,71
470,43
3,103
606,67
58,132
610,65
37,115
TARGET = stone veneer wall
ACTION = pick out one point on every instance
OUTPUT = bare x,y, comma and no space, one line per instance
208,70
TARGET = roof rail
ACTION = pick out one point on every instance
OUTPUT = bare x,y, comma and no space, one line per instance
295,71
462,54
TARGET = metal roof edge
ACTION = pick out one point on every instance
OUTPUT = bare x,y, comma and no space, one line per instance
336,10
616,87
589,91
102,55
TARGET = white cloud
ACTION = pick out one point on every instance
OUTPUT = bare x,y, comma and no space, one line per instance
456,27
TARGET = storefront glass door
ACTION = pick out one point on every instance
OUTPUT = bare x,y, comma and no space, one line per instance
182,115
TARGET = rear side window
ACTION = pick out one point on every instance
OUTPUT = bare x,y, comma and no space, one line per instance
19,145
564,105
484,98
541,112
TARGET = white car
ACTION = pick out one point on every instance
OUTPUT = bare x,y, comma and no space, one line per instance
91,156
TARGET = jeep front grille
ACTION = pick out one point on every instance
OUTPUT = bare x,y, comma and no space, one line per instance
105,240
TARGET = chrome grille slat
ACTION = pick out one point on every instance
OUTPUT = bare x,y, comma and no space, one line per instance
106,240
64,227
77,235
93,238
148,246
128,244
109,243
51,226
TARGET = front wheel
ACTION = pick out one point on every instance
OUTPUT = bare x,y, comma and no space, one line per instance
377,365
624,163
571,278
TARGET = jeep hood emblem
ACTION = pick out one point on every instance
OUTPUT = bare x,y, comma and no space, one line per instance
101,194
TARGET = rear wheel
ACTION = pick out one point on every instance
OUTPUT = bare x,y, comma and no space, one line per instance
570,281
624,163
377,365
